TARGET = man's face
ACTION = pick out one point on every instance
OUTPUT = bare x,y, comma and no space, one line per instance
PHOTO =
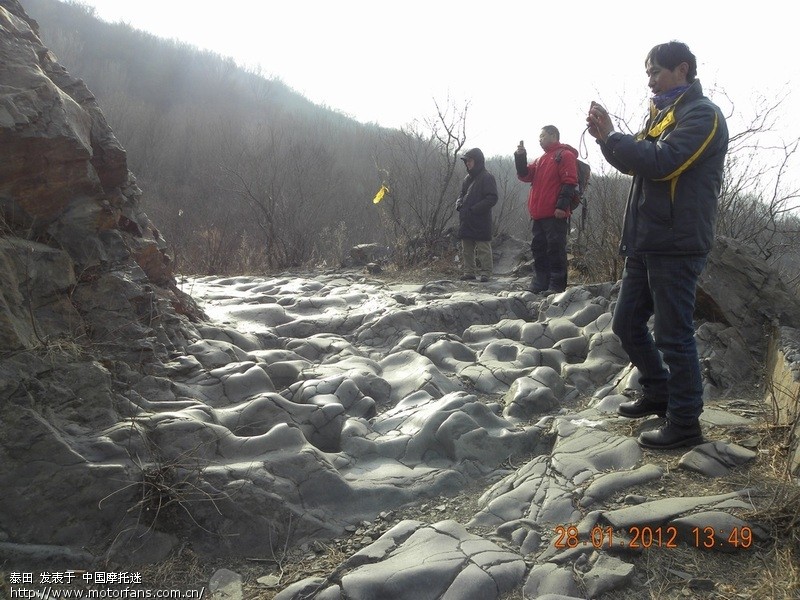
662,79
469,163
546,139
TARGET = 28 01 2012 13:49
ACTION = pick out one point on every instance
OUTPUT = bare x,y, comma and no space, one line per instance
646,536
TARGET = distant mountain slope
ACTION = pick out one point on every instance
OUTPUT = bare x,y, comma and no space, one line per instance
154,69
234,166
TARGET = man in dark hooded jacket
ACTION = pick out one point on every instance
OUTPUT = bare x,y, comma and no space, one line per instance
474,206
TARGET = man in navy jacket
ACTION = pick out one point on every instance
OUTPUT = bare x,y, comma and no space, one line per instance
677,164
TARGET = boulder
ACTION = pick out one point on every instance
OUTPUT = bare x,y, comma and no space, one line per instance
739,289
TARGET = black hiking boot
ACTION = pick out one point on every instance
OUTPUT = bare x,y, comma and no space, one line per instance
642,405
671,435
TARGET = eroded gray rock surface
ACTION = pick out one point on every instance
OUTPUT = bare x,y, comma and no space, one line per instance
282,420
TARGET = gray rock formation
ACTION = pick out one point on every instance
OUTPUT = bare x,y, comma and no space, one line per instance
264,412
78,258
86,290
782,390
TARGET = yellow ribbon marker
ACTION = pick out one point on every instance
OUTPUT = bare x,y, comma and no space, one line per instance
379,196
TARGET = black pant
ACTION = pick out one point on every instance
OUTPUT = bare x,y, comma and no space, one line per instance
549,249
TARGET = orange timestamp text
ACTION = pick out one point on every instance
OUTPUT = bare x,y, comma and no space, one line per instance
645,537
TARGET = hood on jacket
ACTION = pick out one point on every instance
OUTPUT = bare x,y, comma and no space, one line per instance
475,154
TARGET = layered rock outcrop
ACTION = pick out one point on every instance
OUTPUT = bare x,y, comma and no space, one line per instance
86,289
72,224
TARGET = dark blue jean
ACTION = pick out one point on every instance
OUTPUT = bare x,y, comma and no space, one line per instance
664,287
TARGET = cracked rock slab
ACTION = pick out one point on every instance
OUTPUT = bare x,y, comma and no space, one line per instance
718,531
606,573
659,512
417,561
543,489
716,459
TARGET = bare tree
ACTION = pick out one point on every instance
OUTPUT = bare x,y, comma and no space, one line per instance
596,231
239,171
288,181
756,199
510,215
190,122
418,165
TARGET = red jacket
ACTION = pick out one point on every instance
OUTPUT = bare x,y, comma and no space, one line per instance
546,176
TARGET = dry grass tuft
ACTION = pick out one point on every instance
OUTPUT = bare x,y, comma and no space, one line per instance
182,568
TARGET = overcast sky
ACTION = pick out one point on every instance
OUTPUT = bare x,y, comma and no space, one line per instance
520,64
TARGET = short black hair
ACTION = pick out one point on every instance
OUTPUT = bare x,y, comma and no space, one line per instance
552,130
670,55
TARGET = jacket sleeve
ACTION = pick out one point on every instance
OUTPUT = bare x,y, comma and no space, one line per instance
525,172
488,194
608,152
464,188
565,196
521,164
568,168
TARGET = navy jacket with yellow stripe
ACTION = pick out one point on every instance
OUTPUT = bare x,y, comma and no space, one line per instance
677,163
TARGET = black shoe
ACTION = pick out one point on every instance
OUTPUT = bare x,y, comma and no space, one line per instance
537,289
642,405
484,278
467,277
671,435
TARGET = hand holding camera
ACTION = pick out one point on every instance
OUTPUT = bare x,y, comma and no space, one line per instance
598,122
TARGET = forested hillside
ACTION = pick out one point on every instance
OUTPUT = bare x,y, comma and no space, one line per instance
243,174
240,172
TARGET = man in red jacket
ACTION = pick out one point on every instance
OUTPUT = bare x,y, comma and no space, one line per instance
553,178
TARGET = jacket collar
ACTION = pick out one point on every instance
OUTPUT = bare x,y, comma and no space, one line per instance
662,119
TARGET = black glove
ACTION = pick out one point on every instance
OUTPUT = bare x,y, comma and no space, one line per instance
521,163
565,196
